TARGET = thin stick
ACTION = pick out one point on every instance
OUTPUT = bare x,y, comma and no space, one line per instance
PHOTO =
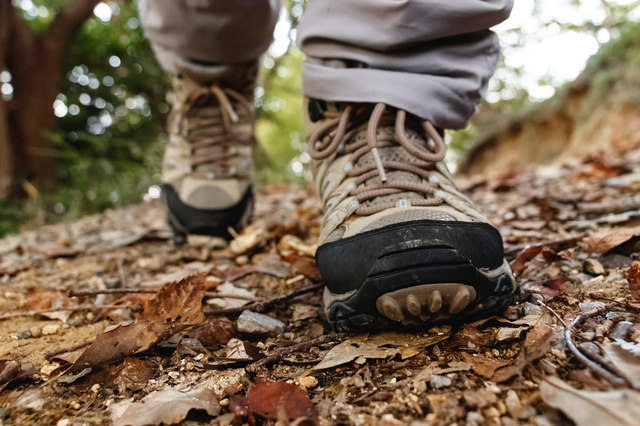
300,347
55,352
262,305
80,293
72,308
509,251
213,294
581,357
552,312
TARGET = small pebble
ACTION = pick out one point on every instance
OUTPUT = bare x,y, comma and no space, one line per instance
242,260
508,421
36,331
589,306
308,381
438,382
95,388
474,418
614,261
593,267
514,405
255,323
491,412
63,422
50,329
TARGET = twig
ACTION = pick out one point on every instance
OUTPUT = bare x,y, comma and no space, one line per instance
80,293
122,274
626,304
213,294
581,357
300,347
552,312
510,251
262,305
71,308
49,355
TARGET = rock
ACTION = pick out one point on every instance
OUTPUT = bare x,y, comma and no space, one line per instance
590,306
438,382
50,329
308,381
531,309
389,420
508,421
620,330
514,405
614,261
254,323
579,278
474,418
36,331
478,399
25,334
593,267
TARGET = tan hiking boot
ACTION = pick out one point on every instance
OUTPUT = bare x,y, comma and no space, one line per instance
208,165
399,243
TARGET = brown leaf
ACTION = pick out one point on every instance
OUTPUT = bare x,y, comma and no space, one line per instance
165,407
132,374
603,242
613,408
528,253
175,307
536,344
482,365
625,358
265,399
633,277
216,332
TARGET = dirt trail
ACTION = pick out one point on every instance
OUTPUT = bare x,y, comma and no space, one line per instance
571,232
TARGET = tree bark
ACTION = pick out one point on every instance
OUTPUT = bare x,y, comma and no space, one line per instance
6,163
35,62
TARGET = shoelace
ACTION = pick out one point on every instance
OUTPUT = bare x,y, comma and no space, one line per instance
227,117
336,135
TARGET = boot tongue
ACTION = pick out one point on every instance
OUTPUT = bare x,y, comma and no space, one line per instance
231,75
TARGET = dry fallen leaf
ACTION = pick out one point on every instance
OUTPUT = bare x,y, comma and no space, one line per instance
482,365
380,345
266,399
626,359
603,242
633,277
536,344
165,407
175,307
613,408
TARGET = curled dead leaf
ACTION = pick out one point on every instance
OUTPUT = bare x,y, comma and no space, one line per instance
175,307
267,399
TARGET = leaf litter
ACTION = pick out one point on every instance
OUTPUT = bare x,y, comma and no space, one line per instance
178,355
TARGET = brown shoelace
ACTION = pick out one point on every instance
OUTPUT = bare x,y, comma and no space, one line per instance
226,117
336,135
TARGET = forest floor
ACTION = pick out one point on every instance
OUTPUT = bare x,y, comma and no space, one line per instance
107,321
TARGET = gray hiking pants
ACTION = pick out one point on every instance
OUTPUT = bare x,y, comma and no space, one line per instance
432,58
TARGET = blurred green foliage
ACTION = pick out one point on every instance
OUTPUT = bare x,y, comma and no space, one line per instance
116,98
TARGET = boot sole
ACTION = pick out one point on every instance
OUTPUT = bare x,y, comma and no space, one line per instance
406,288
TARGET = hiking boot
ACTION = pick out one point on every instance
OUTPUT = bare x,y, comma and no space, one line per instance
399,243
208,165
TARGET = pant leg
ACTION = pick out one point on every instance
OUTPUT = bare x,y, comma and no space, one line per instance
432,58
221,31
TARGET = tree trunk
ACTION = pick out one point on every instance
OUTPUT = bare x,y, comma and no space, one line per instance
35,62
6,163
